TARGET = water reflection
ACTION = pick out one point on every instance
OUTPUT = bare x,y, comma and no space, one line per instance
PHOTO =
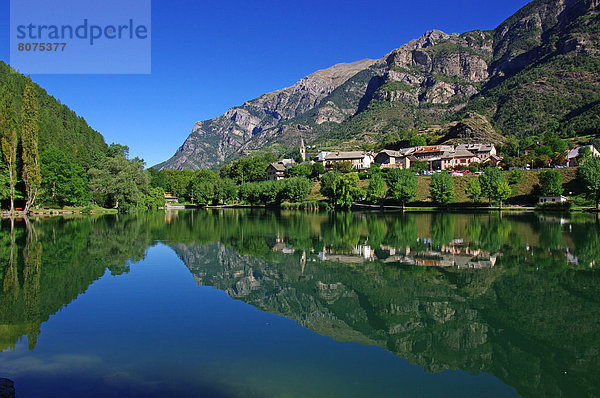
516,296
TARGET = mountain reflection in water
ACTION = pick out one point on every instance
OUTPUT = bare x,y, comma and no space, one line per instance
516,296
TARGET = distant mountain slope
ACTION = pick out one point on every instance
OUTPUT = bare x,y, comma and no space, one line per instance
536,72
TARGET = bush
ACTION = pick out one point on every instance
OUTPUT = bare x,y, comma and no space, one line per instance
566,206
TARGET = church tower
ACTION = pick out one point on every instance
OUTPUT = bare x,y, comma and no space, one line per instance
302,150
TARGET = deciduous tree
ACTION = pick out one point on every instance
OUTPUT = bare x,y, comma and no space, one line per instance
29,138
550,183
402,185
376,190
8,140
442,188
489,182
589,175
120,183
473,190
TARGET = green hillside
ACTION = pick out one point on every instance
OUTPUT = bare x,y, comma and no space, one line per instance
68,147
59,126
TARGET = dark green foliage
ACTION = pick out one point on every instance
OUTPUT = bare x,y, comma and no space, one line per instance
329,186
317,169
296,189
550,183
299,170
249,192
343,167
115,149
158,178
64,182
8,141
178,182
58,125
275,192
442,188
29,140
120,183
341,190
417,140
49,127
376,189
153,199
248,169
224,190
402,185
270,192
589,175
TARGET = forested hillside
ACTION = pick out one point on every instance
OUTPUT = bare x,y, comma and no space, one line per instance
68,147
51,156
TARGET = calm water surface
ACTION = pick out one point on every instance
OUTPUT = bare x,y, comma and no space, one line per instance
290,304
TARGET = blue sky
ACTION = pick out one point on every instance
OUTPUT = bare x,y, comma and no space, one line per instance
210,56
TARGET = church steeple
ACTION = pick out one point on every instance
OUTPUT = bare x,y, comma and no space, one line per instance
302,150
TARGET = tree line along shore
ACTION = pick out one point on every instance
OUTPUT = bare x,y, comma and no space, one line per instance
37,175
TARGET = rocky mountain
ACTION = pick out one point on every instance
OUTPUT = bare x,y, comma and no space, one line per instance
537,72
215,140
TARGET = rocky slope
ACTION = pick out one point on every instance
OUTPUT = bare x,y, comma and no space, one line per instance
536,72
215,140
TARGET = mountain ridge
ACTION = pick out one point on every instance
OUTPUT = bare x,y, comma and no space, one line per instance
536,72
240,123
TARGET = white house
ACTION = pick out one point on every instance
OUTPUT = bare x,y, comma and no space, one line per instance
360,159
552,199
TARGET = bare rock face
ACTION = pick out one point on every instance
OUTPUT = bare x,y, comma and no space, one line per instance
439,67
435,68
330,113
523,38
212,141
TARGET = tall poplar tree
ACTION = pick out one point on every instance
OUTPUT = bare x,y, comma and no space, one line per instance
8,140
29,138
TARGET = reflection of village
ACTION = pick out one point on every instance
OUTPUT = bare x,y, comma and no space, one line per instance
457,253
454,254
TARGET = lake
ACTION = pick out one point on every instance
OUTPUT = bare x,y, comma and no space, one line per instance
240,303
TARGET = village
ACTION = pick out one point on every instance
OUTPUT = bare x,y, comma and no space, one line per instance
432,158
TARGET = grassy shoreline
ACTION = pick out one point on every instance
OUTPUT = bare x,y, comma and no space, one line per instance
67,210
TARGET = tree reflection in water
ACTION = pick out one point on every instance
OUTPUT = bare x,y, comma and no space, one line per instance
516,296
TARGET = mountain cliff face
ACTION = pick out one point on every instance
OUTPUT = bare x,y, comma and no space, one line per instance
215,140
536,72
